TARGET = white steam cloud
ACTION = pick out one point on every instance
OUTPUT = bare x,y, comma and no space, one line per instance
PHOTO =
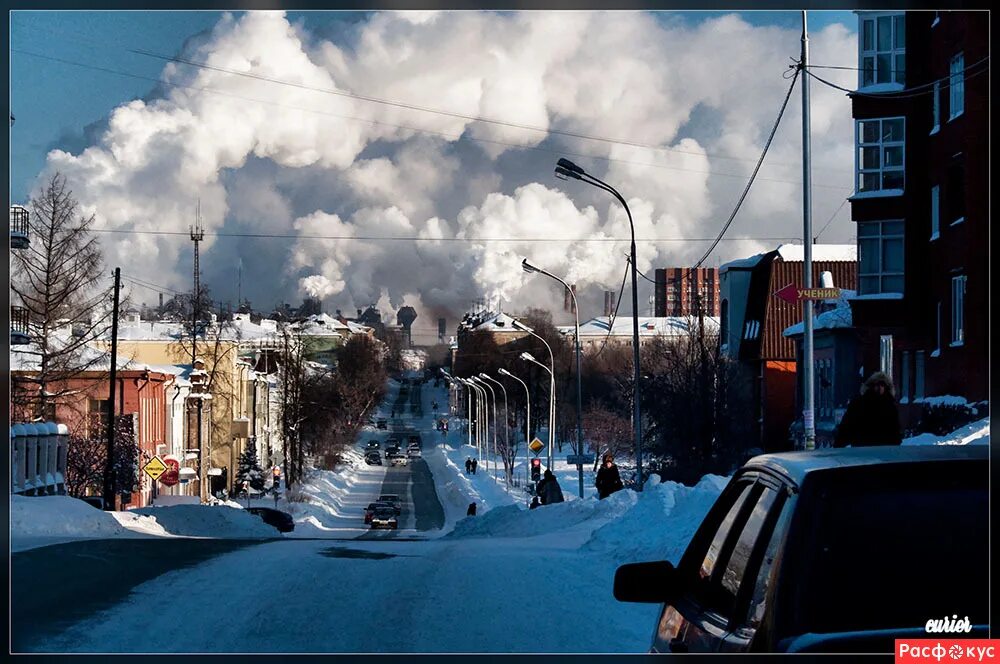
299,160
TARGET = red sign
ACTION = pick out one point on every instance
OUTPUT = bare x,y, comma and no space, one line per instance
793,294
947,650
172,475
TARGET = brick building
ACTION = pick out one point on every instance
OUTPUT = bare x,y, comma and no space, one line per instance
677,289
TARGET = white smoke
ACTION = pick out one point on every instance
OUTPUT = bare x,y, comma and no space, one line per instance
349,179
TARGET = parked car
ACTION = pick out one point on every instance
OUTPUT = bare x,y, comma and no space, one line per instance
373,459
272,517
828,551
384,517
398,459
393,500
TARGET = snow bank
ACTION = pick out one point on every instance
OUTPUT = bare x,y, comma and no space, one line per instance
661,522
41,520
219,522
977,433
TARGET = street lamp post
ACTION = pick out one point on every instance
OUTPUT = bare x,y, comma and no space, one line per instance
493,395
528,267
567,169
482,415
527,401
506,424
552,383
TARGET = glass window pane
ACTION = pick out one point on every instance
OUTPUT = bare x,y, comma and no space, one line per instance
884,68
869,181
870,131
868,71
900,69
893,156
892,228
868,260
892,284
711,557
899,31
892,130
884,33
868,32
868,285
892,255
869,157
868,229
892,179
732,576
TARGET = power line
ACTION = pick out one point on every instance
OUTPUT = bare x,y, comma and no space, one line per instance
431,132
828,221
939,84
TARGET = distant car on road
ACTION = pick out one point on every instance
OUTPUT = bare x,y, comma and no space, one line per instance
414,439
839,550
272,517
372,445
397,459
384,517
373,507
393,500
413,452
373,458
382,423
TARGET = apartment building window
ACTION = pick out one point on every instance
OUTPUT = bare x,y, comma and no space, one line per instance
936,107
935,212
904,383
885,354
956,83
958,310
880,257
956,190
883,49
99,411
918,374
881,154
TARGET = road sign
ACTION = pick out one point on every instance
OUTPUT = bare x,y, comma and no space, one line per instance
155,468
171,475
580,459
793,294
536,446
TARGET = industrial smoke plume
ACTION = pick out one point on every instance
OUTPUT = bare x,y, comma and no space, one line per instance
298,161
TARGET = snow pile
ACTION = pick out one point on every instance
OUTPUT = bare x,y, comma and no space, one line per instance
943,400
977,433
661,523
220,522
41,520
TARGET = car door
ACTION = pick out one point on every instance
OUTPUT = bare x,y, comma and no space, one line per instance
696,622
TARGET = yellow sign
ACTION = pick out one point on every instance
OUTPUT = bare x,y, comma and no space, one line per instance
536,446
155,468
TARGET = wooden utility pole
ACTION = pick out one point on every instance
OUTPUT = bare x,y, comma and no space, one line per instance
109,466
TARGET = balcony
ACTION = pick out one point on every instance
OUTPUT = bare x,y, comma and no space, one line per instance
19,334
19,227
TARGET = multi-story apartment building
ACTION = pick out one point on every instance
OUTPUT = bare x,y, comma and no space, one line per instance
921,203
678,288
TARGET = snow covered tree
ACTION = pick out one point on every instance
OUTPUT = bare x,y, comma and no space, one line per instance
248,469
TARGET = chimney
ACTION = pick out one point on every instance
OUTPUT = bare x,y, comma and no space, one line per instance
359,313
161,300
568,299
441,329
609,302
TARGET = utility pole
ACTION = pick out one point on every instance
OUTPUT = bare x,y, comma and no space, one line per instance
196,236
109,465
807,305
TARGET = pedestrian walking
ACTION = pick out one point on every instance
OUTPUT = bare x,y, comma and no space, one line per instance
468,465
475,465
608,479
548,490
472,510
872,417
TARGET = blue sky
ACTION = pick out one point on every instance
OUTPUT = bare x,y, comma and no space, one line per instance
55,102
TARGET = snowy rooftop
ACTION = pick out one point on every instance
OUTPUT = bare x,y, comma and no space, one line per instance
837,318
796,253
648,326
498,322
323,325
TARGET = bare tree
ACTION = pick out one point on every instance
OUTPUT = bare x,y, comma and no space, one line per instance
58,279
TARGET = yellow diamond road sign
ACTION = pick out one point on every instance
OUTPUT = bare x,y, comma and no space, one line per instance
536,446
155,468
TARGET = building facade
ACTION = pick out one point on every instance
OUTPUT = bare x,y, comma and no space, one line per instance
921,203
678,289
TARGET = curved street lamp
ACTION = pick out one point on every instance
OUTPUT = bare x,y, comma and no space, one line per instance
566,169
506,428
529,268
528,357
493,395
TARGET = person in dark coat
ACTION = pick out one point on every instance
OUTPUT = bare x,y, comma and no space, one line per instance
468,465
472,510
475,465
872,417
608,480
548,490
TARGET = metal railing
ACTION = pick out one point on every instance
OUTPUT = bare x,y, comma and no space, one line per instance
38,458
19,237
19,332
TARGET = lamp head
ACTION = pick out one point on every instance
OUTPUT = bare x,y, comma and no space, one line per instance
569,166
528,267
527,356
503,371
565,174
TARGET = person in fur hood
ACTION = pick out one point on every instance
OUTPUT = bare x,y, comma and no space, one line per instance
872,417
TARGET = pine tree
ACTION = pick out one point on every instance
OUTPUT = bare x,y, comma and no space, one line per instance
248,469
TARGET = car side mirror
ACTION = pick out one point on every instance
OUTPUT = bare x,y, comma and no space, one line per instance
651,583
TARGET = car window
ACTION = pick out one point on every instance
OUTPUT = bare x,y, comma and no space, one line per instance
736,566
715,549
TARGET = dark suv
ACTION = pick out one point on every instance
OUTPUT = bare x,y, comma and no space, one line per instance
828,551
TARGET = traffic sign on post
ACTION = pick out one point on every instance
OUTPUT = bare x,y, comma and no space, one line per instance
155,468
793,294
536,446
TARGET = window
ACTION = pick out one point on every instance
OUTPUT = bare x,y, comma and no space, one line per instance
719,576
904,383
99,410
881,154
958,310
880,257
956,83
918,374
708,564
740,559
883,50
935,212
936,107
956,190
885,354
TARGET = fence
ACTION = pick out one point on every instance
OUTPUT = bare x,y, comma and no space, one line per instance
38,458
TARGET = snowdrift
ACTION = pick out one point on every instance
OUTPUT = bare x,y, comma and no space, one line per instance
977,433
222,522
